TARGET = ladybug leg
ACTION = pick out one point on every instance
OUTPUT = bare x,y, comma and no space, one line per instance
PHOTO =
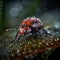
44,30
16,36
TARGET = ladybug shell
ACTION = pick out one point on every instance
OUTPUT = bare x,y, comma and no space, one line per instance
22,31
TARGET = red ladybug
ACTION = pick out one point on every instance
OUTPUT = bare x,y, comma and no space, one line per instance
29,23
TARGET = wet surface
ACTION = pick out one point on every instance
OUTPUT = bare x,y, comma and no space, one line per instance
27,48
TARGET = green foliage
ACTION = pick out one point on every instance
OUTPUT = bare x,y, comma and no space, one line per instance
0,16
32,8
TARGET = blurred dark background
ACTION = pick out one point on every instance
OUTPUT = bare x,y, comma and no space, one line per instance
12,12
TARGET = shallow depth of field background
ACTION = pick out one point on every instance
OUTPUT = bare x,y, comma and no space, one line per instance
12,12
